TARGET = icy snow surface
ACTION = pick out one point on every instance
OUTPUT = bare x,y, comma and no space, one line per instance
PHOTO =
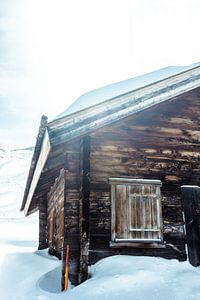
28,274
110,91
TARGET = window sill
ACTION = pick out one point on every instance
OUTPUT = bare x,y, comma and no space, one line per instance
136,245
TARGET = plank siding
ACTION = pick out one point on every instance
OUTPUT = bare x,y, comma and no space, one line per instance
84,208
72,207
55,215
43,235
159,143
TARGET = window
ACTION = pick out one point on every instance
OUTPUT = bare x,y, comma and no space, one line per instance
136,210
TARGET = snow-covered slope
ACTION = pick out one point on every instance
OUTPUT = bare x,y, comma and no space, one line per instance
22,267
14,165
13,172
28,274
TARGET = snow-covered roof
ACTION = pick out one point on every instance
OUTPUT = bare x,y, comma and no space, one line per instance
107,92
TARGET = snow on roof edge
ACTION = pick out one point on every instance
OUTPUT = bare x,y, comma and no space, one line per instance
110,91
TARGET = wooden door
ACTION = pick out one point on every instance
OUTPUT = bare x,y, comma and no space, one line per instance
191,207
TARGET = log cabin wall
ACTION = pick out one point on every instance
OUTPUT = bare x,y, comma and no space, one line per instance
43,235
55,215
72,151
84,209
63,213
159,143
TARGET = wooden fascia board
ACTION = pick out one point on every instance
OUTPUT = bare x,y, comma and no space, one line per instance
45,149
129,104
36,153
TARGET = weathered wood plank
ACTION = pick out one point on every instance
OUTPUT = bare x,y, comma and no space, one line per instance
55,215
84,209
191,205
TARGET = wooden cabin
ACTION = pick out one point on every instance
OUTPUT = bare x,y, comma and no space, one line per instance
106,174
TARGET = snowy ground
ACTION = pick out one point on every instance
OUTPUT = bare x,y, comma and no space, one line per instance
28,274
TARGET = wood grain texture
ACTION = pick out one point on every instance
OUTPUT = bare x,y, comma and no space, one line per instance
72,207
55,215
84,209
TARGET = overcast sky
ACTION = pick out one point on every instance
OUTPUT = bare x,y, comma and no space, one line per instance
52,51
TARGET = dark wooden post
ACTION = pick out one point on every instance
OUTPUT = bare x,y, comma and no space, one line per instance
71,211
84,210
191,206
42,224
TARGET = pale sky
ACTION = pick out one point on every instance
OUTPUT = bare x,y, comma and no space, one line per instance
52,51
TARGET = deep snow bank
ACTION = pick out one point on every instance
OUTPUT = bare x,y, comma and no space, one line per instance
139,278
22,275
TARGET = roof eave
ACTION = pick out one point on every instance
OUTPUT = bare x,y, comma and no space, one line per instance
39,145
115,109
45,149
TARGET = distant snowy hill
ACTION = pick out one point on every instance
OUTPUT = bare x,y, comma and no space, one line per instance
14,166
21,265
